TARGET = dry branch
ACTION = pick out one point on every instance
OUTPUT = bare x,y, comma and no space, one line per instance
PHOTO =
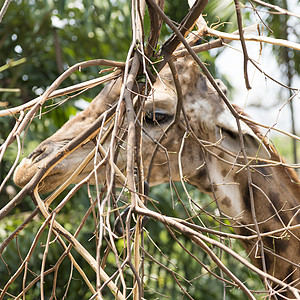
277,8
255,38
4,8
61,92
245,53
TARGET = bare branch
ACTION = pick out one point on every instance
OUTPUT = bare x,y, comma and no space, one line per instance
275,7
240,25
61,92
253,38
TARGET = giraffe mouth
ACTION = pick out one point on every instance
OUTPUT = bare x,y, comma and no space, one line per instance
40,157
57,176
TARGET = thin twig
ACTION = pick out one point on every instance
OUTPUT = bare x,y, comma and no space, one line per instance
61,92
255,38
4,8
245,52
275,7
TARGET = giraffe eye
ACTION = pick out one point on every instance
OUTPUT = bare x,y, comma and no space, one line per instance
157,117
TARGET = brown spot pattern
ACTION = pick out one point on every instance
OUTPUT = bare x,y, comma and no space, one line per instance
226,202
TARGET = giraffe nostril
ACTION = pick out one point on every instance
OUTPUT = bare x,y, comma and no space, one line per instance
38,154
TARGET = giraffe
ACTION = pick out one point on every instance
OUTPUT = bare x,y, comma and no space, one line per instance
217,167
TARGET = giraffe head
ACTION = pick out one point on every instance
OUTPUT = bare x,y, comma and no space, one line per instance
209,118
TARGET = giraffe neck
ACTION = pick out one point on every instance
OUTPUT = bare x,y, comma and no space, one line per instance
276,192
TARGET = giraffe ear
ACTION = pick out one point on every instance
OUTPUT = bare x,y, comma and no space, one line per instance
228,133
